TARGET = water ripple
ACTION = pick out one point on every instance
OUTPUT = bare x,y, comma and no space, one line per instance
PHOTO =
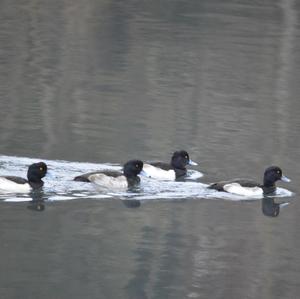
60,185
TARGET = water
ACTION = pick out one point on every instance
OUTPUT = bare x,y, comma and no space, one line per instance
91,85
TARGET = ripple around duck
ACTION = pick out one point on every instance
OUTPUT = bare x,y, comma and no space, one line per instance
59,185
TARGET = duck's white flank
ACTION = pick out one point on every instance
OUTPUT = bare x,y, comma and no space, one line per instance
13,187
108,182
158,173
236,188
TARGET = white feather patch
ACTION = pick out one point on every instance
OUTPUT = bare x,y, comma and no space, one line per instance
236,188
109,182
158,173
8,186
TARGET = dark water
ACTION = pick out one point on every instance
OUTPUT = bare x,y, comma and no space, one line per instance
107,81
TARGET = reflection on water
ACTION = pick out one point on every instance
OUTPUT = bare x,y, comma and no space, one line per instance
109,81
131,203
37,202
270,207
126,81
37,206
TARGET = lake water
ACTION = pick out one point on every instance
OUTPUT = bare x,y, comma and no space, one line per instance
88,85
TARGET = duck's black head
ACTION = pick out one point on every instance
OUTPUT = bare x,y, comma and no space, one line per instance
132,168
273,174
181,159
35,173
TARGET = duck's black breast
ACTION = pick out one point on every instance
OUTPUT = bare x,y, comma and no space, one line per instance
133,181
16,179
85,177
269,190
180,172
219,186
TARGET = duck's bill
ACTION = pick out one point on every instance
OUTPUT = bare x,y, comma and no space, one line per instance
285,179
144,173
50,174
192,163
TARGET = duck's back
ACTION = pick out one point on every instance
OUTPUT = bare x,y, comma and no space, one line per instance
243,182
162,165
118,182
15,179
86,177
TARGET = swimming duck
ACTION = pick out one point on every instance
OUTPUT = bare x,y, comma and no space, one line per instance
249,187
17,184
114,179
169,171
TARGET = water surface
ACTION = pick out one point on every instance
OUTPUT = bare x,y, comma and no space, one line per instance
93,84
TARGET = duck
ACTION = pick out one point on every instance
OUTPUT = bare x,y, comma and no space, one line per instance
251,188
169,171
15,184
114,179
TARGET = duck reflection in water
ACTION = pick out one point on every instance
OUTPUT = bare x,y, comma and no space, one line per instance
270,208
37,203
131,203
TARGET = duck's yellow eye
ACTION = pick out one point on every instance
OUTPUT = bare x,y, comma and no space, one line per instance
137,166
41,169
